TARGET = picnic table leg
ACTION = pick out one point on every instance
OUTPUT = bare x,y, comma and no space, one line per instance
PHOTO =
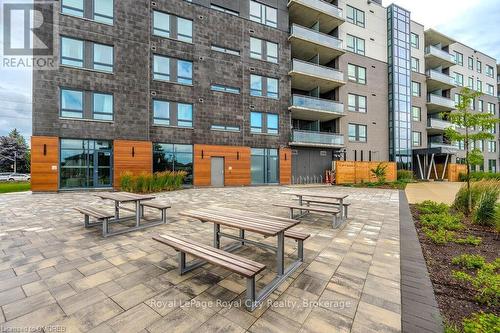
216,236
242,236
117,210
342,216
280,254
137,213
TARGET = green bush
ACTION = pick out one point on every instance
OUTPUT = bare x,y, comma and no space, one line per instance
442,220
476,189
439,236
486,282
432,207
147,183
469,240
482,323
469,261
405,175
475,176
380,172
484,212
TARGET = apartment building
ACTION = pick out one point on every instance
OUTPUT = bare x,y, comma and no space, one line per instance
242,92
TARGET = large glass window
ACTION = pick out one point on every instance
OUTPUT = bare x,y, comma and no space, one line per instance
256,122
355,16
416,89
357,132
263,14
161,68
459,58
171,26
272,123
356,44
470,63
72,7
85,163
416,113
184,72
256,85
71,52
490,71
492,165
264,166
272,88
161,112
415,64
263,50
173,157
71,103
356,73
161,24
184,115
414,40
356,103
102,106
459,79
103,57
416,139
184,30
103,11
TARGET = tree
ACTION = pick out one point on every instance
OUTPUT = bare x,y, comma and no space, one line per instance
13,147
471,127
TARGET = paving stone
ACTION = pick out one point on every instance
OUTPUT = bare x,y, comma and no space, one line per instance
220,324
135,319
273,322
94,267
18,281
27,305
82,299
322,321
133,296
96,279
38,318
11,295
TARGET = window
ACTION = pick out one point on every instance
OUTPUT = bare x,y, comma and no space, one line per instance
227,89
416,113
416,89
102,106
490,89
470,83
225,128
262,86
102,10
355,16
173,157
184,115
459,79
225,50
263,50
492,146
272,123
415,64
103,57
165,24
162,65
416,139
479,86
161,112
480,106
480,145
479,66
491,108
414,40
470,63
459,58
356,73
357,132
256,122
490,71
71,103
225,10
356,103
264,166
492,165
71,52
263,14
355,44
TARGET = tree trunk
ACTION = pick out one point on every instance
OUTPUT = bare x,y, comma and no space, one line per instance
469,195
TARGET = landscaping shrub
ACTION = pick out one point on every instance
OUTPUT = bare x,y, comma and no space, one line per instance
405,175
482,323
432,207
484,212
469,261
442,220
479,176
380,172
486,281
476,189
439,236
469,240
147,183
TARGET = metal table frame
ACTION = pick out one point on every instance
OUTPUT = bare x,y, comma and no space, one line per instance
339,198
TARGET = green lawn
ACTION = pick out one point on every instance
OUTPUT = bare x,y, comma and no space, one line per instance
6,187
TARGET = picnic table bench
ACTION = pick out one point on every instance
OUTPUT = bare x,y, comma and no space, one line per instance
333,211
102,218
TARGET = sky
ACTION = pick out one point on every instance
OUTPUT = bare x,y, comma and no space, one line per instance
473,22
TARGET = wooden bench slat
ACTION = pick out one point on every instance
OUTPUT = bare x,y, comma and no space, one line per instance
96,213
310,208
218,257
156,204
264,216
260,220
296,235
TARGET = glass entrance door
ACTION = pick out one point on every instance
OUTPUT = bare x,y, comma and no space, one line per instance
85,163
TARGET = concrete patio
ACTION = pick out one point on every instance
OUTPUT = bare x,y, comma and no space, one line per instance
55,273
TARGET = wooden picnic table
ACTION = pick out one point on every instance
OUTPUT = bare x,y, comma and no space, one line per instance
120,198
257,223
339,197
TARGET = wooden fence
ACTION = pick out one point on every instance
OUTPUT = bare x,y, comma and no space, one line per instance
454,170
350,172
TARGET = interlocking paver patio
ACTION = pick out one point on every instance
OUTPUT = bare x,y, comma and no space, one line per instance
53,271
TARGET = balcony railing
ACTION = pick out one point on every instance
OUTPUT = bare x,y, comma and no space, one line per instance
443,145
322,6
439,76
439,123
440,100
317,104
316,37
317,138
435,51
310,69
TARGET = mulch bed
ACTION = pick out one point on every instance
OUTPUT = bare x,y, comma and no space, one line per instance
456,299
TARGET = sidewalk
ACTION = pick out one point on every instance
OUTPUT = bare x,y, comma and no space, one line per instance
436,191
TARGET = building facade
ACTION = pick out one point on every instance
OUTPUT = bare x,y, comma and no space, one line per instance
242,92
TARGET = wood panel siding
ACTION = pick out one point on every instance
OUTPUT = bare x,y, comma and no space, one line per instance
44,163
236,164
131,156
350,172
285,166
454,170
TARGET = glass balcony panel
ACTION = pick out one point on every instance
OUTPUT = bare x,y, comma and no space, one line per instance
310,137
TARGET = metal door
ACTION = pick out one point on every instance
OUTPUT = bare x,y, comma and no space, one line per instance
217,171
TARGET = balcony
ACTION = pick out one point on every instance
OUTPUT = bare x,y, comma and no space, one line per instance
444,146
316,139
434,37
437,126
307,43
308,76
313,108
437,80
308,12
435,57
436,104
